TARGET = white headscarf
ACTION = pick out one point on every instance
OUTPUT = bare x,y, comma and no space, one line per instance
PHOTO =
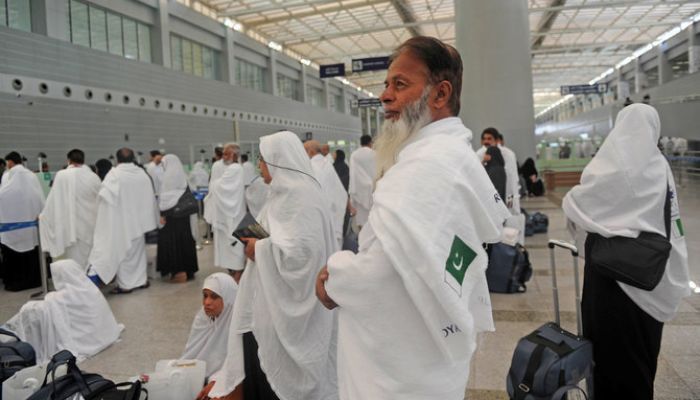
21,200
296,335
623,192
173,182
208,339
75,317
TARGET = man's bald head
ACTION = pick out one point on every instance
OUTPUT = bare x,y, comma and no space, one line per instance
325,149
312,147
125,155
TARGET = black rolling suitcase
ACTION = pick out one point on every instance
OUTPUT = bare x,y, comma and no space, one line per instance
509,268
550,361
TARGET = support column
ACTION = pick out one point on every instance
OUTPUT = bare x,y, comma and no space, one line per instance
327,93
623,87
343,94
367,122
272,72
665,71
303,83
497,78
50,18
640,78
228,59
693,49
160,40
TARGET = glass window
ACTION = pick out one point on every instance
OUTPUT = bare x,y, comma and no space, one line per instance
3,13
208,62
79,25
287,87
19,15
144,42
187,56
176,52
314,96
338,103
114,34
250,76
131,48
98,29
197,59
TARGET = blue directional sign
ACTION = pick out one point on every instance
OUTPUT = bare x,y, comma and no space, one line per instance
331,70
372,102
584,89
370,64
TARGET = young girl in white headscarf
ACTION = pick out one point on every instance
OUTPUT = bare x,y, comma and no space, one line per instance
623,192
208,339
177,252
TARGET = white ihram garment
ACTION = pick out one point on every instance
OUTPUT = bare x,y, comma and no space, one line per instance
21,200
334,193
126,210
199,178
208,338
623,192
363,170
412,301
156,173
512,179
276,298
217,169
75,317
68,218
256,195
224,209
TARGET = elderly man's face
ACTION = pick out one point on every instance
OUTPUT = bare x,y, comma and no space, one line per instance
405,82
229,154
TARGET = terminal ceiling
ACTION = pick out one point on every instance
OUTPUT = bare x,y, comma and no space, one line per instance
572,41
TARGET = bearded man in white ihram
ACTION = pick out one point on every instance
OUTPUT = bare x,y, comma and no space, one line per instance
411,302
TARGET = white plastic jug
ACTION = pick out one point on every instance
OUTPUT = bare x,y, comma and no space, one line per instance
23,383
175,380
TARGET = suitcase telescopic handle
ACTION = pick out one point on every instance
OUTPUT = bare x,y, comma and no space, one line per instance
555,291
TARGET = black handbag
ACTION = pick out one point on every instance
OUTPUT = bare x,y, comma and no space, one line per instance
186,205
640,261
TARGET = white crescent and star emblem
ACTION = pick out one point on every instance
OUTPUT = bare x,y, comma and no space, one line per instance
461,262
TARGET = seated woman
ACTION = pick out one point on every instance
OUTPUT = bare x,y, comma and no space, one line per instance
208,339
76,317
534,184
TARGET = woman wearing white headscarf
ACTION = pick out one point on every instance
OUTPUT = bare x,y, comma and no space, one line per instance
76,317
177,252
623,192
210,330
288,337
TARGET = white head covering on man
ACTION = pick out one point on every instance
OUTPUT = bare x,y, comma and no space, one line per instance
622,193
68,218
208,338
75,317
276,299
21,200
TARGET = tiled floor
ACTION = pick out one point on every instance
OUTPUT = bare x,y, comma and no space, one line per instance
158,319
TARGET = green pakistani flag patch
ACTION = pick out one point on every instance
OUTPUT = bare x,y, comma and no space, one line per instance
460,258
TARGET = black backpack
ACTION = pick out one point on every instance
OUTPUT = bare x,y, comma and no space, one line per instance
89,386
509,268
14,356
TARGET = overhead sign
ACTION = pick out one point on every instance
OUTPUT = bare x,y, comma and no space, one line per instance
370,64
584,89
373,102
331,70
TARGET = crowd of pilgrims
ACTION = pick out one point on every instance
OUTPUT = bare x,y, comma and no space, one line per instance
292,315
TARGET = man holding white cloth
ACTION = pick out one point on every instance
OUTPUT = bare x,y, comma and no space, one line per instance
68,219
126,210
332,187
411,302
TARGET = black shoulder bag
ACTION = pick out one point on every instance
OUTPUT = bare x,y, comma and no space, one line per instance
186,205
640,261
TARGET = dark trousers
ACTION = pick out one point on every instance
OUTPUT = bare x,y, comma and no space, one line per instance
255,385
626,340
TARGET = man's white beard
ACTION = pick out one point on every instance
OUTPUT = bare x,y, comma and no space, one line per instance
395,134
